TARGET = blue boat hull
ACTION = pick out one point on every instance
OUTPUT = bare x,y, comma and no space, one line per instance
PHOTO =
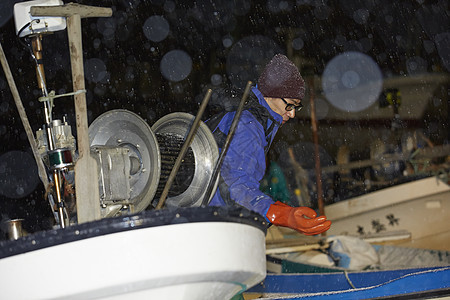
392,284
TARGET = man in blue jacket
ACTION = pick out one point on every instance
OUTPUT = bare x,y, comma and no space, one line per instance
274,100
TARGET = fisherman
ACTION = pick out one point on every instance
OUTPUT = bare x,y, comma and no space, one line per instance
272,102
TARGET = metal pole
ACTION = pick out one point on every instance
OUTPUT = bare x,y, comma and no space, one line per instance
86,177
316,148
56,174
233,127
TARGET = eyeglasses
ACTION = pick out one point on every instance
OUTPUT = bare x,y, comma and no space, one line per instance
291,106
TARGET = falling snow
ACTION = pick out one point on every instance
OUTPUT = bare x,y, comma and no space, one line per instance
157,57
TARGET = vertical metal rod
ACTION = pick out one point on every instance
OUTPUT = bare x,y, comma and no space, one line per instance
316,149
26,124
50,137
183,150
36,43
59,200
226,145
51,145
86,177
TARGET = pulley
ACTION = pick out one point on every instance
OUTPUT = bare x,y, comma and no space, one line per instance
129,160
196,170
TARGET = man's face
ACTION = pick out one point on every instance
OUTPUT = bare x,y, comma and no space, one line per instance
285,107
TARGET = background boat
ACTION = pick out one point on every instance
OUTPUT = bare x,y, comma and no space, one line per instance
421,283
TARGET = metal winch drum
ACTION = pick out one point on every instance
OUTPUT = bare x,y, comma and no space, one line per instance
128,160
196,170
134,161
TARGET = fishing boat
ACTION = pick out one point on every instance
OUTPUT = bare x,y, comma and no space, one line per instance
118,232
189,253
420,207
352,267
116,242
394,241
422,283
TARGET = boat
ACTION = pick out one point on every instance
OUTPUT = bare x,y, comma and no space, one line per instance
394,242
421,283
336,254
113,238
420,207
346,267
184,253
113,247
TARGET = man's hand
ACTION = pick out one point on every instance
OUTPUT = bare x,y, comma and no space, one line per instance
302,219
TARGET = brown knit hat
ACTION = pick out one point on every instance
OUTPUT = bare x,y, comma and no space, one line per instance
281,79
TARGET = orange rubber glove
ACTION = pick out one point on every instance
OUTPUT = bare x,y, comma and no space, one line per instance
302,219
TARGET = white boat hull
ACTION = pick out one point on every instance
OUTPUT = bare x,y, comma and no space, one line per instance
421,207
205,260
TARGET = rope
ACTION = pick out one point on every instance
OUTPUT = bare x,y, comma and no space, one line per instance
348,280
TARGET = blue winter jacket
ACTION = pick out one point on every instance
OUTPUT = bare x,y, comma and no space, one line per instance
244,164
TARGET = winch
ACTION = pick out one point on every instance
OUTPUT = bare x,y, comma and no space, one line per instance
119,152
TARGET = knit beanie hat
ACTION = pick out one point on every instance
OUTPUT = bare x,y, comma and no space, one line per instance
281,79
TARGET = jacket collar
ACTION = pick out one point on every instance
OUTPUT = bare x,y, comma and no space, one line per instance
264,103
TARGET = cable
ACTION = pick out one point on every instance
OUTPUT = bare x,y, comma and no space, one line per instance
348,280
